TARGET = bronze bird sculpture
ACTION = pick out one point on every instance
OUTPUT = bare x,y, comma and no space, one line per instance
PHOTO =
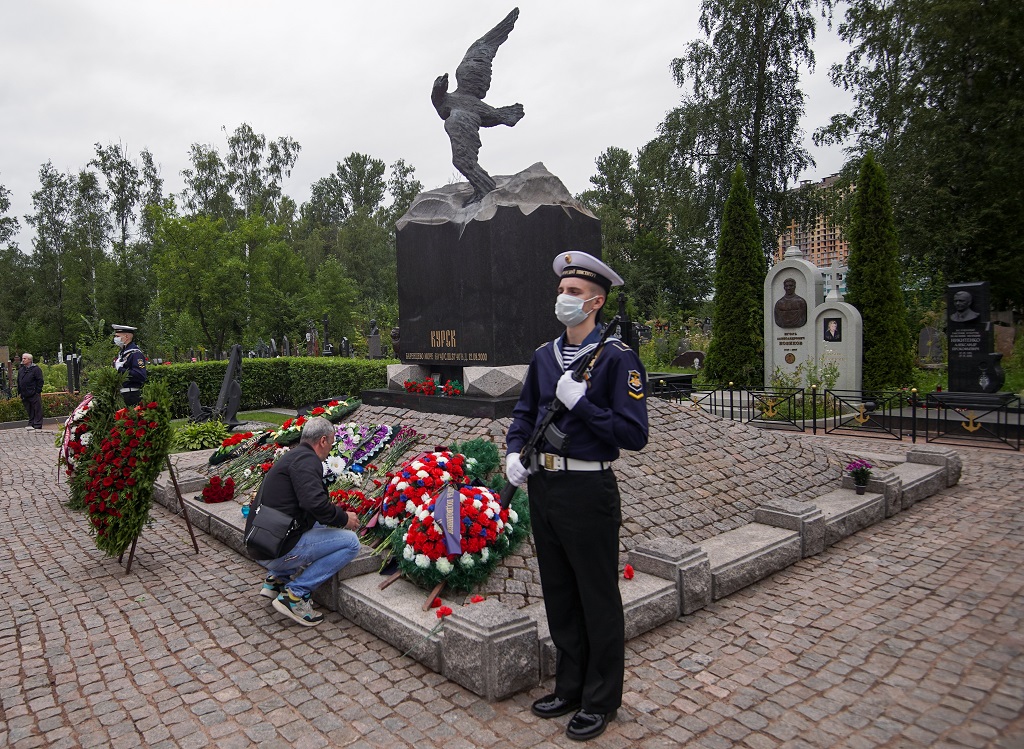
464,111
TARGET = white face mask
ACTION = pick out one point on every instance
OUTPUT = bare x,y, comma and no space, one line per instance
118,341
569,309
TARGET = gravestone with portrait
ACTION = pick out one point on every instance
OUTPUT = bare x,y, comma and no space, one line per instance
802,329
973,366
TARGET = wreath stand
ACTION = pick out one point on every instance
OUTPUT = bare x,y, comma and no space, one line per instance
184,513
430,598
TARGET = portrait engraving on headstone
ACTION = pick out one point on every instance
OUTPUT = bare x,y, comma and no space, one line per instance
833,329
791,309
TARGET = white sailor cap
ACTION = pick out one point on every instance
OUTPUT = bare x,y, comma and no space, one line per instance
123,328
586,266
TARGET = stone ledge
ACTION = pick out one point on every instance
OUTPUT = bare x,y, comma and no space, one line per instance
920,481
847,512
743,556
938,456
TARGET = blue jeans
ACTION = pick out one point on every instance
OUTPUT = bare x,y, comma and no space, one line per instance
318,555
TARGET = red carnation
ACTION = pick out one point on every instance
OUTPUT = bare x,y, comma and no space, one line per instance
627,572
443,612
435,603
476,599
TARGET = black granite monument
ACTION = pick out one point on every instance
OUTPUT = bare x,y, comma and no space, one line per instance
972,368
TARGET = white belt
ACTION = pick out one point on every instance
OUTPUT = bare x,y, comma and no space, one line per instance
550,462
130,390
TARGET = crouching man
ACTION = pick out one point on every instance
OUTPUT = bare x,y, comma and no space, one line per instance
325,540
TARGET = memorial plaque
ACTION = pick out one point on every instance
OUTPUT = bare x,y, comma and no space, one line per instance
483,293
969,334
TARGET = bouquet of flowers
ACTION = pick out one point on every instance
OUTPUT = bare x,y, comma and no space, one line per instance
75,437
218,490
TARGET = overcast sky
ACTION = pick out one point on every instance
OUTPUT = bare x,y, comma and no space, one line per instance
340,77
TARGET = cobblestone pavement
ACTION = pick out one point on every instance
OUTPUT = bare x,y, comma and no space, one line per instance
908,634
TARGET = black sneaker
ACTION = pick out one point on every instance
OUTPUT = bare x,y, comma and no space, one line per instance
299,609
272,587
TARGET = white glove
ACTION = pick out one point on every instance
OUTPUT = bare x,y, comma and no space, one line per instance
569,391
517,473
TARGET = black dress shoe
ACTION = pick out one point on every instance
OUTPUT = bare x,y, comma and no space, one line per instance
584,725
552,706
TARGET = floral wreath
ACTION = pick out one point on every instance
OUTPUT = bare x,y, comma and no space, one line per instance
415,483
75,437
119,488
354,445
486,533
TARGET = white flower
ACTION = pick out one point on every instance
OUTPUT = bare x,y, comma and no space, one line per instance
247,473
477,504
422,514
444,566
423,474
484,554
400,485
84,439
422,560
425,496
470,462
336,464
391,522
513,516
408,553
416,465
489,512
466,560
410,507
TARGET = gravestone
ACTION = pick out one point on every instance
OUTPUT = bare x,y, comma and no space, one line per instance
286,346
929,346
373,340
689,360
839,342
972,369
792,288
346,347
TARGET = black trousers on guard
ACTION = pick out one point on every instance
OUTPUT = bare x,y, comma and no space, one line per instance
576,517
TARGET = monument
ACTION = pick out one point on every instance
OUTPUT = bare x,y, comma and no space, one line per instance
475,287
803,328
973,366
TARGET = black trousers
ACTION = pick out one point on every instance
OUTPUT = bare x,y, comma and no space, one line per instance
34,408
132,399
576,517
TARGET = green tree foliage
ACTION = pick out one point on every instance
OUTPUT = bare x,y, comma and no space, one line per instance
743,106
736,352
873,284
938,96
647,236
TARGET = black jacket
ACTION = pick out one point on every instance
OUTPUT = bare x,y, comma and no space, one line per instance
295,486
30,381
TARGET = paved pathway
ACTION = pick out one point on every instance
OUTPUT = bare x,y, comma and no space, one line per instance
910,634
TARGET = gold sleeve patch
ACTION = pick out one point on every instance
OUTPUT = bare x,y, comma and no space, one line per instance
635,384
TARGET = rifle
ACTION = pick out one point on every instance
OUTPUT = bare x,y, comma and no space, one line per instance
546,428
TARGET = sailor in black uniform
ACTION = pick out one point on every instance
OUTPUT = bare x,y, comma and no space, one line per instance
574,498
131,362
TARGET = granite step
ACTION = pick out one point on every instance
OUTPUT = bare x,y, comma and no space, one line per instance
745,555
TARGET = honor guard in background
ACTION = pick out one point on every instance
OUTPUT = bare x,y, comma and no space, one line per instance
131,362
574,498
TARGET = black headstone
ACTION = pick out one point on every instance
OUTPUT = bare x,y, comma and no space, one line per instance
483,293
970,337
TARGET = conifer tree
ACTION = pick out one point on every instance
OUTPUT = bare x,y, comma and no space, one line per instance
873,282
736,352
